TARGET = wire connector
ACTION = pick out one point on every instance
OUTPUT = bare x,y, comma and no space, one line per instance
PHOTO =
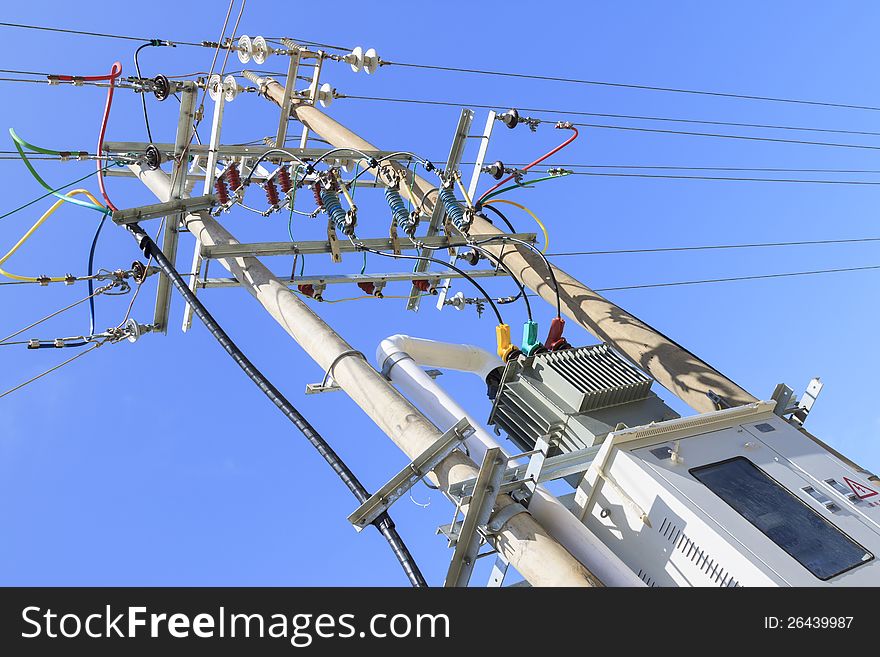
530,342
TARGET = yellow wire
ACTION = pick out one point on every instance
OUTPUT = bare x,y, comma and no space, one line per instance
27,235
533,215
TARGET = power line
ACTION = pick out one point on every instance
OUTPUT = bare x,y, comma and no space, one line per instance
735,124
103,35
554,165
416,101
710,247
52,369
723,178
622,85
736,278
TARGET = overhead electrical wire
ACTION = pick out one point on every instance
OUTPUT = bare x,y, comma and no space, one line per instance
618,127
643,87
736,278
52,369
710,247
383,523
489,72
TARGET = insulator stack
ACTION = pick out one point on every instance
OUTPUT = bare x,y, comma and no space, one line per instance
453,209
367,287
233,177
284,180
222,191
402,219
422,285
334,208
316,190
271,193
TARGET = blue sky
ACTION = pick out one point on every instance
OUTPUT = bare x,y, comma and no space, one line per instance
160,463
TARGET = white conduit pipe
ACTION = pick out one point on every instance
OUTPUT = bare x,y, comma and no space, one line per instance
401,358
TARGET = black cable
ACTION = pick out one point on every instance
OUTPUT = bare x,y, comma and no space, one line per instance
714,247
84,33
500,216
522,290
143,95
383,523
361,247
535,250
698,92
618,127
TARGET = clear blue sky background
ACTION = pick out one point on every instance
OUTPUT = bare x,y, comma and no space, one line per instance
159,462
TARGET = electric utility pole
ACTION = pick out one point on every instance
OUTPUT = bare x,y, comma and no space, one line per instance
671,365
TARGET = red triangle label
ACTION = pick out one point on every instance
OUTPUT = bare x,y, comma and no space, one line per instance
861,491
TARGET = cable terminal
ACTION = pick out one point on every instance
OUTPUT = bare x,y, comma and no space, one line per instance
506,349
530,342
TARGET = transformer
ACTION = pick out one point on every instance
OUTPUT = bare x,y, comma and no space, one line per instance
736,497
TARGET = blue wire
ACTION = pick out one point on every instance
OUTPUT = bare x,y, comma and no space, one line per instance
91,284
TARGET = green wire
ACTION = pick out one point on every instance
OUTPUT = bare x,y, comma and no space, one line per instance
527,184
19,142
57,189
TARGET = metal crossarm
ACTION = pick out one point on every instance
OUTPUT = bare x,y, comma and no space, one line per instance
156,210
555,467
367,512
256,249
452,163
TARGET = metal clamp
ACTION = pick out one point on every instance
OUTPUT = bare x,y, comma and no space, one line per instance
315,388
392,360
500,517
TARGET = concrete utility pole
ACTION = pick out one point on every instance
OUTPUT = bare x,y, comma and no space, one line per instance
522,541
671,365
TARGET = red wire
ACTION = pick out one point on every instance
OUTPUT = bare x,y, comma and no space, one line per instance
538,161
115,72
87,78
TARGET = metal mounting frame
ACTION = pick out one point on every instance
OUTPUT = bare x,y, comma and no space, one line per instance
289,87
178,183
486,489
354,279
554,467
452,163
472,189
255,249
126,148
210,173
156,210
379,502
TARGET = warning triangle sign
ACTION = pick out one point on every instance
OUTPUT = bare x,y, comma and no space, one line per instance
861,491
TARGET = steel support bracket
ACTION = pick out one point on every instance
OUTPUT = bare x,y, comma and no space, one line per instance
382,499
452,163
479,511
335,255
